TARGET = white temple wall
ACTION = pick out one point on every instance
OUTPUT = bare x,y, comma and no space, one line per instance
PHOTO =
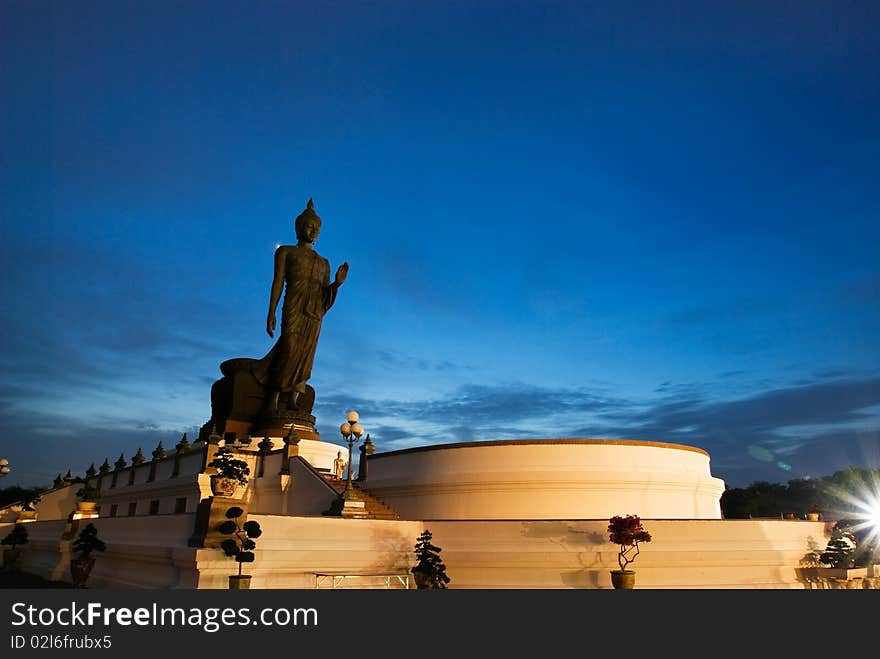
298,493
547,479
152,552
141,552
577,553
292,549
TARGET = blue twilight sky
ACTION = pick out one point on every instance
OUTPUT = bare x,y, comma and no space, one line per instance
643,220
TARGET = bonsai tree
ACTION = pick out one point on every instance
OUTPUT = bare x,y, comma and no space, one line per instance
241,545
230,467
627,532
84,545
841,549
18,536
429,571
30,498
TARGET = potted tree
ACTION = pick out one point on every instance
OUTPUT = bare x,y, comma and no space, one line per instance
28,513
231,472
429,572
17,537
81,566
240,546
626,532
88,500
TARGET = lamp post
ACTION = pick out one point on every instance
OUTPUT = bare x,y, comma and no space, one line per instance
4,467
351,432
349,504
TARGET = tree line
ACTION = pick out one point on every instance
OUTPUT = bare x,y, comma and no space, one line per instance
835,495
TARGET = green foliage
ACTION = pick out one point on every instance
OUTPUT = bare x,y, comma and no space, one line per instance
87,542
228,466
852,544
241,545
798,496
627,532
18,536
429,564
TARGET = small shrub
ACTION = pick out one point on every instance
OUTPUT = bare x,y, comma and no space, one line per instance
18,536
242,544
841,549
87,542
430,566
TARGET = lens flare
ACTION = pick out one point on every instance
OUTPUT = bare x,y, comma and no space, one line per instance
860,503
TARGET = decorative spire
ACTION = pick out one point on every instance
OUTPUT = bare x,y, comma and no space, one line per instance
214,438
183,445
159,453
265,445
291,437
120,463
68,477
58,482
368,447
138,457
105,466
90,472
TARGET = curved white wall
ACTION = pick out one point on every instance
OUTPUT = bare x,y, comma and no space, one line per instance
547,479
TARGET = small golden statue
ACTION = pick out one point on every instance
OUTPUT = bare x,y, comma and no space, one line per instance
338,465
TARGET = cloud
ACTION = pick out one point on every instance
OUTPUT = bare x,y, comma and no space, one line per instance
51,443
801,427
99,331
395,360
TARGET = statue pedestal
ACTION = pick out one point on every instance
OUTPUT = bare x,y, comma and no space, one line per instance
239,407
281,427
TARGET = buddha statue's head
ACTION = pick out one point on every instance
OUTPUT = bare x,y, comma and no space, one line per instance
308,224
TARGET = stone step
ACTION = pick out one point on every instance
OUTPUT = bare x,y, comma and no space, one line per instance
373,507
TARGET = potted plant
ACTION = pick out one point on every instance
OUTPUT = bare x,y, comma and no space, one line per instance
28,513
240,546
18,536
81,566
429,572
88,498
231,472
814,508
626,532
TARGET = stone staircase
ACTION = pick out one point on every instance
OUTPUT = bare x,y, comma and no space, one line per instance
373,507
